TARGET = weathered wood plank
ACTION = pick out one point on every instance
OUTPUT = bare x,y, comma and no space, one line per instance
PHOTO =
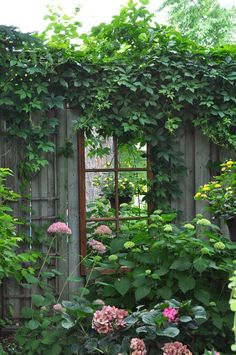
62,186
202,173
73,213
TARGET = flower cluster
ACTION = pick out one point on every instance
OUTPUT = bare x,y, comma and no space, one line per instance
170,313
175,348
58,307
126,188
138,347
59,227
98,246
221,192
103,230
108,319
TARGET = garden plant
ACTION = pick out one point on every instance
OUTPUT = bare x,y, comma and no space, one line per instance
156,286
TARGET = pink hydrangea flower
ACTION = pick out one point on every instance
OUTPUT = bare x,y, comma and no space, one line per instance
98,246
58,307
138,347
108,319
170,313
175,348
59,227
103,230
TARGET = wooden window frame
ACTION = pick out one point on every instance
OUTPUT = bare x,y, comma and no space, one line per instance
82,170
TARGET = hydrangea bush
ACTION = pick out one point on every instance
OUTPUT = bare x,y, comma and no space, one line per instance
80,327
153,263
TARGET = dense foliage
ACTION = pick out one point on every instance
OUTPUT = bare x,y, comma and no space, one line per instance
159,262
131,78
220,193
13,263
81,327
203,21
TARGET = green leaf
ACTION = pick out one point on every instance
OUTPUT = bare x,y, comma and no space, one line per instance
38,300
186,283
27,312
202,295
74,279
185,319
181,264
142,292
170,332
217,320
32,324
122,285
200,264
67,324
164,292
56,349
199,313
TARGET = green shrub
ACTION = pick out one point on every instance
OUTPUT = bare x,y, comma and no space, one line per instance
161,261
12,263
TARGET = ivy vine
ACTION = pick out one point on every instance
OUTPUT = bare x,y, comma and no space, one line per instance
130,78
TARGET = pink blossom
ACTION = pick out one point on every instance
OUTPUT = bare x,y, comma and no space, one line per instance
59,227
175,348
103,230
58,307
138,347
98,246
108,319
170,313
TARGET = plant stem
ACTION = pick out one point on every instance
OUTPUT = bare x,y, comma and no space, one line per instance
46,257
72,272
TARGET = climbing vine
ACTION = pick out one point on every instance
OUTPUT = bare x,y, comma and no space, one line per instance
130,78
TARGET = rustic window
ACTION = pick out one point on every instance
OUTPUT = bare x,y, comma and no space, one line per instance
110,177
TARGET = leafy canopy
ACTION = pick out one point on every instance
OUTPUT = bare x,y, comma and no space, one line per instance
203,21
131,78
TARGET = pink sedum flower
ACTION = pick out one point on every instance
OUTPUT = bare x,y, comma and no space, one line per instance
138,347
103,230
175,348
59,227
170,313
98,246
108,319
58,307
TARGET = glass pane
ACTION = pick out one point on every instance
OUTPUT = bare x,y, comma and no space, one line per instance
132,156
99,153
132,189
100,189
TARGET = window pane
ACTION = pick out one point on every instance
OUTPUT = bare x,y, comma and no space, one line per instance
100,189
99,153
132,189
132,156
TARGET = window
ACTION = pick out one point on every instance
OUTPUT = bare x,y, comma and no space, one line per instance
112,183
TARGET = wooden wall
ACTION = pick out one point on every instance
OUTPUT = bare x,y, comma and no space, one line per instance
54,194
